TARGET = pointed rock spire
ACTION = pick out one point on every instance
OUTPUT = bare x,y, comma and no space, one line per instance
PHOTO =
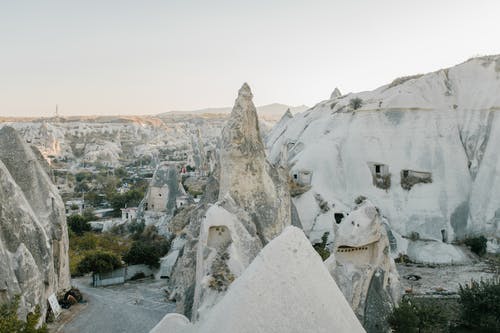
336,93
242,129
287,115
245,174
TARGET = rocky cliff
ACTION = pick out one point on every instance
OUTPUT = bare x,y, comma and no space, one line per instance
422,149
33,232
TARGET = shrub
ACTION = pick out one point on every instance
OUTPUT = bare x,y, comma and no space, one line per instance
477,245
480,303
355,103
89,242
9,321
143,253
136,227
78,224
421,316
221,274
321,248
99,262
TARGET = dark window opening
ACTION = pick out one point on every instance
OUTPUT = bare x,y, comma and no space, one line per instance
377,168
444,235
338,217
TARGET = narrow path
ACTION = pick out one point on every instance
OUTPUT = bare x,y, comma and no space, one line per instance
134,307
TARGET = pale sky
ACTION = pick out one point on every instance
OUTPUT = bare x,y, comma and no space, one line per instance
146,56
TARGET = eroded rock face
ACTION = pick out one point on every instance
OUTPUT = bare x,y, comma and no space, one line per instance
246,204
33,232
299,293
245,174
363,267
443,124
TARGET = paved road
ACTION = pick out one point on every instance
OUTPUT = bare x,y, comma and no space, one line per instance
134,307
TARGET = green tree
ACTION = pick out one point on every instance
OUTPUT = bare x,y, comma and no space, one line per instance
99,262
78,224
143,253
9,321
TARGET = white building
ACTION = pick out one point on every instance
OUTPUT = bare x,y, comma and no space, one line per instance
73,207
128,214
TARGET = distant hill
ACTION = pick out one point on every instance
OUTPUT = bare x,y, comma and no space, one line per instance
268,112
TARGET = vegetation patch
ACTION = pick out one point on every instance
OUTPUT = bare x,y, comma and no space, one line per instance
10,322
297,189
382,181
477,244
99,262
86,244
355,103
148,247
476,310
419,316
322,248
221,276
480,305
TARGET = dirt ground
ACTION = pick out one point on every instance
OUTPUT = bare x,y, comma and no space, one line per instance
444,279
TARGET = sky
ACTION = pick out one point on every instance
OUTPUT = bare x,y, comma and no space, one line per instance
123,57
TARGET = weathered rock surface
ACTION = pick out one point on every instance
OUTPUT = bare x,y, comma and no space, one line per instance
286,289
246,176
363,267
443,124
33,232
246,204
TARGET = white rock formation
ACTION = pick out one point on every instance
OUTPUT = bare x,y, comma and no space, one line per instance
246,204
364,269
245,174
286,289
33,232
442,125
335,93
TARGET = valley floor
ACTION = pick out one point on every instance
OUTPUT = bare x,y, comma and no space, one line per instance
444,279
132,307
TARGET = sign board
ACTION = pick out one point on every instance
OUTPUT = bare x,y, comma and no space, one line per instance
54,305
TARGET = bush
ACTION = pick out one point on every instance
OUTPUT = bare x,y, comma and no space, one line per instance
89,242
78,224
321,247
480,303
99,262
143,253
221,276
355,103
9,321
477,245
418,316
136,227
